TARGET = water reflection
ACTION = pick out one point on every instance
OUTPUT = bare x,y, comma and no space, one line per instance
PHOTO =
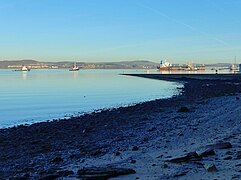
24,75
49,94
75,74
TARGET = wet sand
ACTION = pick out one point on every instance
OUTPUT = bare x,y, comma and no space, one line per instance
141,137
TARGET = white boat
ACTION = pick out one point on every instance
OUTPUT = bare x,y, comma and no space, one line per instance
24,68
74,68
234,67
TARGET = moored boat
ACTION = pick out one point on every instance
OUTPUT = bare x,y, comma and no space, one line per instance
24,68
166,66
234,67
74,68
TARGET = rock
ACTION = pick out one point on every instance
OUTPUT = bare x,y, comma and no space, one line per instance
75,156
235,176
133,161
164,166
238,155
117,153
20,178
238,165
2,139
180,174
65,173
145,139
180,134
228,158
35,142
221,145
57,160
50,177
192,156
96,153
229,153
206,152
103,172
152,129
183,109
135,148
210,168
88,130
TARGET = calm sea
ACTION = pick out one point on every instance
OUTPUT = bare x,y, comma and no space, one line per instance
40,95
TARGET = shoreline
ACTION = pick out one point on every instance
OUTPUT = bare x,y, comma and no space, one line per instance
133,137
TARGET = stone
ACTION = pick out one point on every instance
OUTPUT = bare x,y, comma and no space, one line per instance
238,165
135,148
221,145
88,130
164,166
238,155
229,153
103,172
210,168
192,156
65,173
206,152
96,153
180,174
152,129
117,153
133,161
57,160
49,177
183,109
228,158
20,178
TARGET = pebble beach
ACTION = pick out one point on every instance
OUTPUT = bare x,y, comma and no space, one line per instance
193,135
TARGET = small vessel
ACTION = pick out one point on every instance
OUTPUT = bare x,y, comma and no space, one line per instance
166,66
24,68
234,67
74,68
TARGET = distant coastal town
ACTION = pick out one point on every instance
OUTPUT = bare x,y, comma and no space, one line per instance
139,64
32,64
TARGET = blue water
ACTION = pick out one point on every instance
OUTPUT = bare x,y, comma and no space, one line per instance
40,95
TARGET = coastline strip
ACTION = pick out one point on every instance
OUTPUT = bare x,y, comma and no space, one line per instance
186,77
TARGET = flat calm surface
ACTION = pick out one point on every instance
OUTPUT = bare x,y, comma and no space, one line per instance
40,95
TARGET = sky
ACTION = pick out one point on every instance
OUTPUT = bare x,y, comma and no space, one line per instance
204,31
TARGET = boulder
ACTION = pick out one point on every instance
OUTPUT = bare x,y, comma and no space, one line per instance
192,156
206,152
103,172
210,168
221,145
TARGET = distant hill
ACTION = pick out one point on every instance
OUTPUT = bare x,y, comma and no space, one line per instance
139,64
142,64
5,64
219,65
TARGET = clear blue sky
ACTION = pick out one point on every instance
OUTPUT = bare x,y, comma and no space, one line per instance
202,31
